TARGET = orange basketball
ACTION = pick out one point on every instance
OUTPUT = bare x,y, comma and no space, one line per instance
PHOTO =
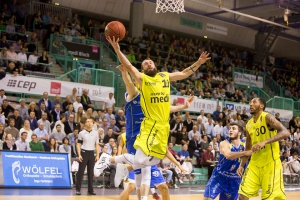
115,28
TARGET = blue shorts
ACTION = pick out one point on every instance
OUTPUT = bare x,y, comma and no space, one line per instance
226,187
129,145
156,176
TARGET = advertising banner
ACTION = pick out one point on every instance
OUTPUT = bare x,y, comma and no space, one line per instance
31,169
191,23
30,85
216,29
83,51
285,115
209,106
247,79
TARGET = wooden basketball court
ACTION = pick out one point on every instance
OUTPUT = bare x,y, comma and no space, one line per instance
289,196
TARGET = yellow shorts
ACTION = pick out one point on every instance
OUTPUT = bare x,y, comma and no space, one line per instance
153,138
268,178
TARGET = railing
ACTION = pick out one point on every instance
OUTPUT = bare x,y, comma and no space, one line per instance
96,77
72,75
281,103
35,6
22,62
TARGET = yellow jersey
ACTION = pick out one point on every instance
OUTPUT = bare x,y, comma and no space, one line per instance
155,97
259,132
123,135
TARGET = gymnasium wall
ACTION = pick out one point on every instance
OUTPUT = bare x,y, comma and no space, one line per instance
237,35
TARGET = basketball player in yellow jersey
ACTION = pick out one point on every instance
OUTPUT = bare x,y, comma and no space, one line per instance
151,143
264,170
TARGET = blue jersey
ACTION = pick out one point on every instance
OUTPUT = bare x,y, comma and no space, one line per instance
134,117
228,167
224,173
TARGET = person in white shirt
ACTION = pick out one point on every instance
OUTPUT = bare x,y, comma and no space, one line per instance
47,125
77,104
230,87
26,128
209,127
22,57
110,102
234,119
201,116
65,147
22,144
218,129
11,54
32,61
193,132
214,142
2,96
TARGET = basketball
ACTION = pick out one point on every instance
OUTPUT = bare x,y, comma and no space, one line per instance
115,28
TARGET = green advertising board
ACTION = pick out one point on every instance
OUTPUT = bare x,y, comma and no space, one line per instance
191,23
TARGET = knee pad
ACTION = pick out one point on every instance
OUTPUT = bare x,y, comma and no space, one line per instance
138,180
146,176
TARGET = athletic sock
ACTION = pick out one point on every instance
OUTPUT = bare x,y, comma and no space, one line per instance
144,197
152,190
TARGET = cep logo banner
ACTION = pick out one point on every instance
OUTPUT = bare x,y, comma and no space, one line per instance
24,169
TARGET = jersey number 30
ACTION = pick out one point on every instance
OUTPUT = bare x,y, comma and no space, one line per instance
261,130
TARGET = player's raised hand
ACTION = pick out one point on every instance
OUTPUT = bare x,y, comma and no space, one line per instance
204,57
240,171
114,42
189,100
256,148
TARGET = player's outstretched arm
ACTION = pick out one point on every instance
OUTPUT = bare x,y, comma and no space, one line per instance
282,133
225,150
130,88
124,61
173,160
182,107
191,69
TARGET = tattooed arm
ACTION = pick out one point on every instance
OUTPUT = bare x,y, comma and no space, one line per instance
191,69
282,133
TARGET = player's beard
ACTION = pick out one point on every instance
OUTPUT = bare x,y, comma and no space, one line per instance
234,137
254,111
151,73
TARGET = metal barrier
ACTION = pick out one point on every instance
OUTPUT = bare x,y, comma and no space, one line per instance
281,103
72,75
35,6
96,77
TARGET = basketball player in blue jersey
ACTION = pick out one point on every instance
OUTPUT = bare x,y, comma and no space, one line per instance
224,180
134,117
